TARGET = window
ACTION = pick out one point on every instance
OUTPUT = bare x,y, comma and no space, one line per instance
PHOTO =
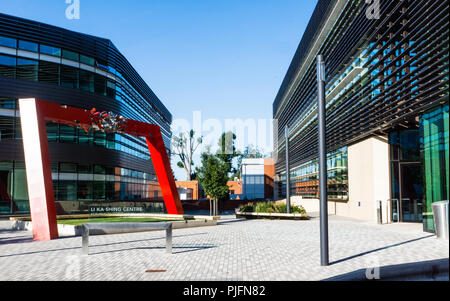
8,42
7,66
52,132
29,46
84,137
67,191
99,190
84,190
84,169
99,84
98,169
27,69
110,89
67,167
67,133
70,55
86,81
50,50
48,72
69,77
6,128
87,60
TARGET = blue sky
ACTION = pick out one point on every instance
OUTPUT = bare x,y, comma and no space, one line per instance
225,58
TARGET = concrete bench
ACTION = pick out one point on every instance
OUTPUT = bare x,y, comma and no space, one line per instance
117,228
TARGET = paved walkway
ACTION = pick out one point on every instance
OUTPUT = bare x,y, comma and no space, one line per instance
234,250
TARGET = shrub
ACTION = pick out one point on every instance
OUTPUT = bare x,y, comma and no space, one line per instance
270,207
247,208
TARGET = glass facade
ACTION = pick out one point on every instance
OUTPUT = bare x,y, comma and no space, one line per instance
76,185
434,150
82,184
78,71
305,178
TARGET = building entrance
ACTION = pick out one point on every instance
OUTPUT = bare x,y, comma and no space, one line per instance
406,176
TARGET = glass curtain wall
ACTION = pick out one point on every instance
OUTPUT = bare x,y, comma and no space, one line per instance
434,130
305,178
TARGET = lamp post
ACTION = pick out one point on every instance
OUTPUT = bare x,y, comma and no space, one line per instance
324,258
288,178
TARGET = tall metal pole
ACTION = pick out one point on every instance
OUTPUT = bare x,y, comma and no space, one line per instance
288,178
324,258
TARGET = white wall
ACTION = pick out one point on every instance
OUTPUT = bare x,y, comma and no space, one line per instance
368,182
368,178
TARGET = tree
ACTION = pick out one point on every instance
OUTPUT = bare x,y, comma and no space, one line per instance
227,150
184,146
213,176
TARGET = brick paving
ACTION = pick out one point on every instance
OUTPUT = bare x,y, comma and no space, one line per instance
248,250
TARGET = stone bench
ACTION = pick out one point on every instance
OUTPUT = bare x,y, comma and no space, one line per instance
118,228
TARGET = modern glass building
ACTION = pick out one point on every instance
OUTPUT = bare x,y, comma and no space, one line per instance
57,65
387,80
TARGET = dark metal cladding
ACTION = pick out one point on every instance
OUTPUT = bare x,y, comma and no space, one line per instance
101,49
406,65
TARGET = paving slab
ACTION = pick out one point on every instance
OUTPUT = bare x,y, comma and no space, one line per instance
235,249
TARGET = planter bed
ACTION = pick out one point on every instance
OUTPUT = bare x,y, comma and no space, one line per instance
178,221
254,215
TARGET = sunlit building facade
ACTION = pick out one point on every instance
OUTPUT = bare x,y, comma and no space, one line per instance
57,65
387,110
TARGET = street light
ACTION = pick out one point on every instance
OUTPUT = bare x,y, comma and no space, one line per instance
288,178
324,258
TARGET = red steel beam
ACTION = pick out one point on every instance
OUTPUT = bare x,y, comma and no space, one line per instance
39,174
33,114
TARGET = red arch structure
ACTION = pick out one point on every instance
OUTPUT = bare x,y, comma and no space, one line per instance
34,114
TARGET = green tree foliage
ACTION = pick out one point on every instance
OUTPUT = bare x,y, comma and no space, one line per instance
213,176
227,151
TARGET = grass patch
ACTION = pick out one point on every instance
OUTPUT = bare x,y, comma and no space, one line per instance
79,222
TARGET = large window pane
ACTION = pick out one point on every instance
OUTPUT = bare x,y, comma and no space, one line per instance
50,50
86,81
48,72
29,46
27,69
68,167
67,191
87,60
111,89
100,84
85,137
99,190
6,170
52,132
67,133
84,191
434,129
7,66
69,77
70,55
6,128
8,42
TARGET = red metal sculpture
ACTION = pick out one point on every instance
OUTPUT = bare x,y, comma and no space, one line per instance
34,114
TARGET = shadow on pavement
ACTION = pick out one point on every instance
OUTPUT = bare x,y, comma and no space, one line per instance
423,270
30,239
192,249
379,249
